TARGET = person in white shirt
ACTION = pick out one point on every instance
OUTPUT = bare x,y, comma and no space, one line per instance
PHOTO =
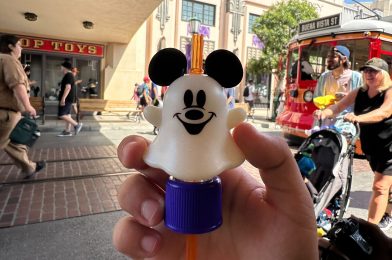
251,90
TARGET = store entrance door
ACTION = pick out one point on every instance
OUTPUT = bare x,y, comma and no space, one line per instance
53,77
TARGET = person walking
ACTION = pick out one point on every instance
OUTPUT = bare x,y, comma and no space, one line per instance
14,99
249,94
230,97
75,72
66,98
135,95
373,111
155,101
145,99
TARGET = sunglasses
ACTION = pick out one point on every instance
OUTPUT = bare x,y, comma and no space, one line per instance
370,71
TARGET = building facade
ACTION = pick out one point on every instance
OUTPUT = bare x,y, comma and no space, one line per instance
117,62
225,24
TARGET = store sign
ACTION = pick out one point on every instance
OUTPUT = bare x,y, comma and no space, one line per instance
320,24
49,45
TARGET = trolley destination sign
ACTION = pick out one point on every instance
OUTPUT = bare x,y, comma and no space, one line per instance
320,24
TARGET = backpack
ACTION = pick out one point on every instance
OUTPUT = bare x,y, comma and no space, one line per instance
246,92
139,90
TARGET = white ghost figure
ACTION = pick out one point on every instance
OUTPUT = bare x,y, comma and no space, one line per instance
194,142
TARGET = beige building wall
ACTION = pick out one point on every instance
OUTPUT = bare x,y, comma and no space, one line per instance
125,65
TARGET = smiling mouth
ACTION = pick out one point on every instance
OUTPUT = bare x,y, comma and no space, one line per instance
194,129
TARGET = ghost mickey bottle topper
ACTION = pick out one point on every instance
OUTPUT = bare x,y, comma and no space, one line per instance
194,144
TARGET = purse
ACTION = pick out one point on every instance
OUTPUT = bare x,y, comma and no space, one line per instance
25,132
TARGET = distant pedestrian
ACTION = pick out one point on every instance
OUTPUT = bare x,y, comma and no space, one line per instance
249,94
145,93
14,99
230,97
66,97
163,91
155,101
75,72
135,95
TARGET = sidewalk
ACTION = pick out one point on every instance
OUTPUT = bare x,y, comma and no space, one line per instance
82,179
82,176
118,121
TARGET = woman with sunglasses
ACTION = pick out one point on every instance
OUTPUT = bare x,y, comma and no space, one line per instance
373,111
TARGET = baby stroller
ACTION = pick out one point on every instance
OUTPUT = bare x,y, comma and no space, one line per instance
325,160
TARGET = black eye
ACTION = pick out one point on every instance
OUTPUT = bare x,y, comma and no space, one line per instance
188,98
201,98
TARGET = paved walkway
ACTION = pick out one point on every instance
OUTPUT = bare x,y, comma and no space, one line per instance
82,178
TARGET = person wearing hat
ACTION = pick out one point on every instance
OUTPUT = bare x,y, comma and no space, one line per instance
339,79
66,98
373,111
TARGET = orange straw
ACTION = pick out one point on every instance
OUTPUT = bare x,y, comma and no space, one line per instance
191,247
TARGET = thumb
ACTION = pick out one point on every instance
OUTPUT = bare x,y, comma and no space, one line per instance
277,166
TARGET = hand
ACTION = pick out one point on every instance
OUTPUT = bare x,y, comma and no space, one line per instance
31,111
62,102
274,220
324,114
317,113
350,117
340,95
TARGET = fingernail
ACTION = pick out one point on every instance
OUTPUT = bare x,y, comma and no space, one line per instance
149,243
149,209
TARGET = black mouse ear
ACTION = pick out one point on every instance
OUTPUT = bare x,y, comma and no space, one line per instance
225,67
166,66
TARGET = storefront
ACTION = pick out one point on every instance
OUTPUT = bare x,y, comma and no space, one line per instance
44,57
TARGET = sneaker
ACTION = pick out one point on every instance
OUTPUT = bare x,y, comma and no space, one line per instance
385,223
38,166
78,127
65,133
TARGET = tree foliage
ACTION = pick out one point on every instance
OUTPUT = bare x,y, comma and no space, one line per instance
275,28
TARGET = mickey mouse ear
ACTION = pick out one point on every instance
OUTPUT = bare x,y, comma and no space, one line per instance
225,67
166,66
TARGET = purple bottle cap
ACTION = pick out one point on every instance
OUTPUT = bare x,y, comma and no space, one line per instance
193,207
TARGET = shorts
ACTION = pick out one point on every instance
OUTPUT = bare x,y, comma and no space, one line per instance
250,102
143,101
65,110
381,163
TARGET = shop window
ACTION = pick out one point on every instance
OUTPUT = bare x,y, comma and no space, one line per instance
88,74
53,77
33,67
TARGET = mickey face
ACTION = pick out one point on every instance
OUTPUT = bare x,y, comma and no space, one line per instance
194,116
196,102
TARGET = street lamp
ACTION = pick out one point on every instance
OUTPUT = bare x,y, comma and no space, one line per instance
197,47
194,25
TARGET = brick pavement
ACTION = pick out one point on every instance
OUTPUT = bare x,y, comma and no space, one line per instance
77,181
